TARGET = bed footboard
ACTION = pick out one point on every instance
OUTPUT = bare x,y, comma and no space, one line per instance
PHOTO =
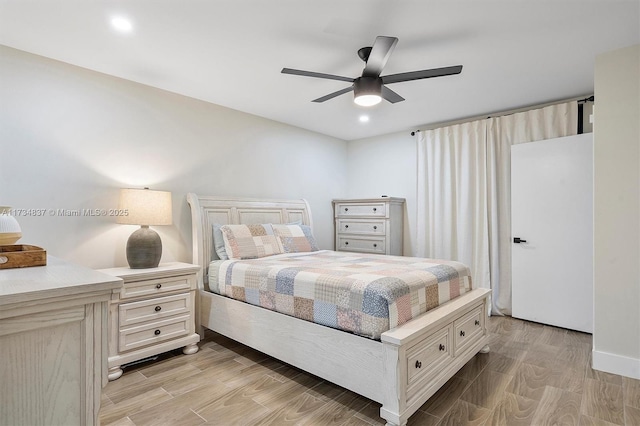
422,355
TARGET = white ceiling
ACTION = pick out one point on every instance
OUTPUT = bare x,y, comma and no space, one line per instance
230,52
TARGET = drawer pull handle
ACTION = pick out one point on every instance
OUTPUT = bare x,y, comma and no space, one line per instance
346,226
441,347
158,308
462,333
158,286
375,245
346,209
418,364
157,332
346,243
477,322
375,227
375,210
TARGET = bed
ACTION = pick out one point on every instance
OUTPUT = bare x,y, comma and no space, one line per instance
400,370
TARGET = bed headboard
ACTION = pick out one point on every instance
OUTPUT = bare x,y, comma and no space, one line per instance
207,210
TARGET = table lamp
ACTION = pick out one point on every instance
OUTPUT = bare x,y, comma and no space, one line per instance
10,231
146,208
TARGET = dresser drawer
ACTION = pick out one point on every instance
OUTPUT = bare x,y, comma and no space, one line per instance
149,288
468,329
361,244
153,309
361,209
152,333
361,226
425,358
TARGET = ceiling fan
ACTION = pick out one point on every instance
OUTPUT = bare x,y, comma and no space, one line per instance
369,89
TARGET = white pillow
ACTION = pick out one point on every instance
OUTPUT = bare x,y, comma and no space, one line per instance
218,242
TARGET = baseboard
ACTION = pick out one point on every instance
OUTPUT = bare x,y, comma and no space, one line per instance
616,364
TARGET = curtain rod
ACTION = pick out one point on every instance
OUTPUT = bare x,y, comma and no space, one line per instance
578,99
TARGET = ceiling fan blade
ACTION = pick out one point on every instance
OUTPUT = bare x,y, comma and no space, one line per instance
316,74
380,53
417,75
334,94
390,95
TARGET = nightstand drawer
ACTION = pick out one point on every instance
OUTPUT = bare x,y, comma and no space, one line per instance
361,209
361,244
361,226
154,309
159,286
152,333
468,329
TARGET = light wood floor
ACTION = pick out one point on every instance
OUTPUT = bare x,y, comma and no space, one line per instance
534,375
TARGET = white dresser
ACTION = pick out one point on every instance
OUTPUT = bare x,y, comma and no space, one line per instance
153,313
371,225
53,343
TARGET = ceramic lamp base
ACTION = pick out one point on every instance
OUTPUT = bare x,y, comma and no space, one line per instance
144,248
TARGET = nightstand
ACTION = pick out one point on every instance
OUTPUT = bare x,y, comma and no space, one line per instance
371,225
153,313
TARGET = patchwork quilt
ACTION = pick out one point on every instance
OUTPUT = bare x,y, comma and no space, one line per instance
360,293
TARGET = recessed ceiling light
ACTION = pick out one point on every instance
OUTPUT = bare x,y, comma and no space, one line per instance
121,24
364,118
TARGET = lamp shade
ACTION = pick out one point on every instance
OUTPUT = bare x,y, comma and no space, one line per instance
145,207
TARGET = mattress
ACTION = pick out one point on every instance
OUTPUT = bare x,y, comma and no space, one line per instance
359,293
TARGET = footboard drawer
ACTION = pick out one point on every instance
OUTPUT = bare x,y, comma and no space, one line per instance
425,358
468,328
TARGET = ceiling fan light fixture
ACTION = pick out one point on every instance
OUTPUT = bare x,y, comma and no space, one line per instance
368,91
367,100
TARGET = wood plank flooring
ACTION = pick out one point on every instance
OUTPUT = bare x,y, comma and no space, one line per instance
534,375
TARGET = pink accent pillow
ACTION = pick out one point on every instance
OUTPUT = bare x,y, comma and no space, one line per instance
250,241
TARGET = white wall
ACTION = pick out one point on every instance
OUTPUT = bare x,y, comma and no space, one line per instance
616,338
70,138
386,165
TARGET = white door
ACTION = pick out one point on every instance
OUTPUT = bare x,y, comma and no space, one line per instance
552,213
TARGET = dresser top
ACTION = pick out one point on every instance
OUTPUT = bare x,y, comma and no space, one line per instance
370,200
57,278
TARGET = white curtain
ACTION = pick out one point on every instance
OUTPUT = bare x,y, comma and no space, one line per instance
452,197
464,191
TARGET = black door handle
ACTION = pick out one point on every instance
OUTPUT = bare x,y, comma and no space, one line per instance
518,240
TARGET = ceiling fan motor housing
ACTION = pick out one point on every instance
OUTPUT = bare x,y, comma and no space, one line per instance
367,86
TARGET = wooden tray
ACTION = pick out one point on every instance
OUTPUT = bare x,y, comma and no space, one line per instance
21,256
